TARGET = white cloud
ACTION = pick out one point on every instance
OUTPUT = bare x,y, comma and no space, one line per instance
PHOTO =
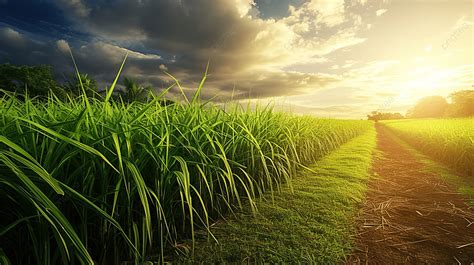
330,13
317,13
116,53
163,67
75,6
12,34
380,12
63,46
244,6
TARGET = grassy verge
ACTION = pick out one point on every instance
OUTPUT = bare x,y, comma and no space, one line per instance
312,222
462,184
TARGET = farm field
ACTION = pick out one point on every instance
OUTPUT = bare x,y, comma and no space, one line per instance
310,221
176,182
236,132
114,182
450,141
374,199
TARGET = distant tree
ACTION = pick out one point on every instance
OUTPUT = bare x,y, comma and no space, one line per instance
374,116
395,116
34,80
429,107
462,104
377,116
133,91
166,102
75,85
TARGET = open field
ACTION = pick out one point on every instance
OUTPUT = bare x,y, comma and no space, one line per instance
94,181
245,132
450,141
98,181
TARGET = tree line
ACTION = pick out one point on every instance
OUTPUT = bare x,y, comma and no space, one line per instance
462,105
38,81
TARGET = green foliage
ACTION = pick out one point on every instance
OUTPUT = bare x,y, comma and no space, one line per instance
75,84
35,80
97,181
133,91
447,140
377,116
429,107
87,180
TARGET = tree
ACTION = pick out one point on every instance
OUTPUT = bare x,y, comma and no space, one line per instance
376,116
34,80
462,104
429,107
77,83
134,92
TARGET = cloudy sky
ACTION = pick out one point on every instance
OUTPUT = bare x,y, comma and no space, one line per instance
332,58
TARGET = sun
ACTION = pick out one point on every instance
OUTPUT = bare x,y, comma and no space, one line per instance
418,85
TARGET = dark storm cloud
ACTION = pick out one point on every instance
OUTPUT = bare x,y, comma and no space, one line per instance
264,85
99,59
193,31
177,36
175,26
16,47
188,34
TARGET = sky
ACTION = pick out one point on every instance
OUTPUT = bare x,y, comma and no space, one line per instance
330,58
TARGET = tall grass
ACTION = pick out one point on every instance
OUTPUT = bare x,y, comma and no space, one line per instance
88,181
447,140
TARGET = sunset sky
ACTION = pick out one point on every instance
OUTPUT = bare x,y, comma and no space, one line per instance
330,58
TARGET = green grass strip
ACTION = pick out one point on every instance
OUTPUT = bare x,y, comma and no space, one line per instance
313,224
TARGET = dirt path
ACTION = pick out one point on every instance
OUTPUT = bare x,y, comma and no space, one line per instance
410,216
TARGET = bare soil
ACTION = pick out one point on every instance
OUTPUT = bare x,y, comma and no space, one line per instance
411,216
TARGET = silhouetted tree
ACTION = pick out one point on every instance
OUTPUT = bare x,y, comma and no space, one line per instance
34,80
462,104
134,92
74,86
429,107
377,116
